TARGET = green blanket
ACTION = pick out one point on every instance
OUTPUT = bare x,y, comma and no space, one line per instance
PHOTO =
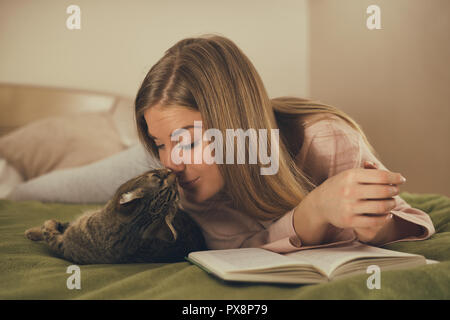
29,271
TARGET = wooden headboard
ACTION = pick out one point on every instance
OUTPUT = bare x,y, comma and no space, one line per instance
21,104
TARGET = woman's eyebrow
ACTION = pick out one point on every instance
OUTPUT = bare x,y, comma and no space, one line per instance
176,132
179,130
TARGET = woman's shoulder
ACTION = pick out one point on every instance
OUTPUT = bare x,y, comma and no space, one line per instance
317,121
329,128
328,141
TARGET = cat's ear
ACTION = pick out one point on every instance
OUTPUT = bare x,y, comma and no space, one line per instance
131,195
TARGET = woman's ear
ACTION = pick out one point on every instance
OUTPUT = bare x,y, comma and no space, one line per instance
131,195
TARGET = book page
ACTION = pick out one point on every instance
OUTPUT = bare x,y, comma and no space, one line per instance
230,260
328,259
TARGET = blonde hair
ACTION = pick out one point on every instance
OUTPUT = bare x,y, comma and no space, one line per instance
212,75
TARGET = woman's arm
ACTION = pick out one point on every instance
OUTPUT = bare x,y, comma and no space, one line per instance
281,237
349,151
311,228
334,147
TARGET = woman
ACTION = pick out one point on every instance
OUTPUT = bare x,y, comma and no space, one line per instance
322,194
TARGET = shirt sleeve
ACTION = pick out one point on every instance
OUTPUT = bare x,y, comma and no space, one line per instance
281,237
335,147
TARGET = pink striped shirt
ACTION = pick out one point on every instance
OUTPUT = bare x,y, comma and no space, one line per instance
330,146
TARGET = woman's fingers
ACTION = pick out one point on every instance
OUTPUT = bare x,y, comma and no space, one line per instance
370,165
378,176
368,221
376,191
379,206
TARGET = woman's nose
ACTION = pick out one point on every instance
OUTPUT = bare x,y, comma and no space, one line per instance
170,164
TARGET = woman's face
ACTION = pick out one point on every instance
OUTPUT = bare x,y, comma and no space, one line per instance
162,123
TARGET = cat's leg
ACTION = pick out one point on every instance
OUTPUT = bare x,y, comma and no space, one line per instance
52,236
36,234
169,218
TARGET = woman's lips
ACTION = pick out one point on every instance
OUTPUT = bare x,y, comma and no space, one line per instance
189,184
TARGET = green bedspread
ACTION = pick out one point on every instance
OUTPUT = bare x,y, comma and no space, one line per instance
29,271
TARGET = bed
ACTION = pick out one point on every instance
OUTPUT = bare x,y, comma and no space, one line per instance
29,271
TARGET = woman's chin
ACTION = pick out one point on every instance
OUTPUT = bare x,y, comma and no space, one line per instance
189,195
195,195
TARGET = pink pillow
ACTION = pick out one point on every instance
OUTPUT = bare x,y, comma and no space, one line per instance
60,142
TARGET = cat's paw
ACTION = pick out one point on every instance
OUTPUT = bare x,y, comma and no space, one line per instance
34,234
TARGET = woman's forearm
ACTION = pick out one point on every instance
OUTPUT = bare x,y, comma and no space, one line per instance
309,226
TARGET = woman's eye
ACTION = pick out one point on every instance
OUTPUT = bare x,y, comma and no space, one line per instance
185,147
190,146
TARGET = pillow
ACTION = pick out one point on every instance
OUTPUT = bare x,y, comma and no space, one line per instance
9,178
60,142
125,122
93,183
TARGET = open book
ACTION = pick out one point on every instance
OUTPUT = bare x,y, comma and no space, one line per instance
305,266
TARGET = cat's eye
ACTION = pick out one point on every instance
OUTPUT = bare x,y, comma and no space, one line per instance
156,179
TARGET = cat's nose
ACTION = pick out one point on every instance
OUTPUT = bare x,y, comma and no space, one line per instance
172,178
168,172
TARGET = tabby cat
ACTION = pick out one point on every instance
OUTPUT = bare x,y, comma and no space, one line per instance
141,223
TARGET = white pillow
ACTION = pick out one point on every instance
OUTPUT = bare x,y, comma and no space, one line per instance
9,178
93,183
125,122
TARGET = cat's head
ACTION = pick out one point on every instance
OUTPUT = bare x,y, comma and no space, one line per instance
152,193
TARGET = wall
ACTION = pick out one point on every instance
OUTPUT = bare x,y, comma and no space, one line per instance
120,40
394,81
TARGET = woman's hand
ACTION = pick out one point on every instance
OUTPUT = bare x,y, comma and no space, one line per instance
369,234
357,198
